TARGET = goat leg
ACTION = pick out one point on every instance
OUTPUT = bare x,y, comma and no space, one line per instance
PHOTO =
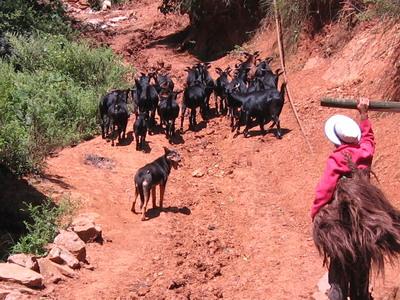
153,196
278,126
183,111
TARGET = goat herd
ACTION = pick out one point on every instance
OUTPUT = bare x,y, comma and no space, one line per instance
251,95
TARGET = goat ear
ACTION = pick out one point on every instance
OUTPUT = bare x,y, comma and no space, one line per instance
143,74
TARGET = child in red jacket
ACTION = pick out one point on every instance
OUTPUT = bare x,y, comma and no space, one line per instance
354,225
350,140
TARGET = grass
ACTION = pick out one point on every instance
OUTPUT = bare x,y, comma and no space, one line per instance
46,219
51,100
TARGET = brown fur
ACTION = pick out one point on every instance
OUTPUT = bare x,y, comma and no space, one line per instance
359,225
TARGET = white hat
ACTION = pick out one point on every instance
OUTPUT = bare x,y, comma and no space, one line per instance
340,130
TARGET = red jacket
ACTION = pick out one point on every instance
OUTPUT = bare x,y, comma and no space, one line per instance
336,166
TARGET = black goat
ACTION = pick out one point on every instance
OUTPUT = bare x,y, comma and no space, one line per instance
168,111
221,85
208,83
111,98
263,67
249,65
264,106
270,80
194,96
147,97
118,115
163,83
193,75
140,128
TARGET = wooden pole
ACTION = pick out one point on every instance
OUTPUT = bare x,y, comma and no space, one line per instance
386,106
282,58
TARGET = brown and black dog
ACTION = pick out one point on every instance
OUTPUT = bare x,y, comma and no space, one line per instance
151,175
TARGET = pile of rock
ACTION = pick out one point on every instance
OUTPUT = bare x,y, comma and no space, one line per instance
66,254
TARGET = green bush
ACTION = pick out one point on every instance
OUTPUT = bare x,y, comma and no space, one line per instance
27,16
53,102
46,219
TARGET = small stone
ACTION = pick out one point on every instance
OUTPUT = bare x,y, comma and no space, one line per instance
60,255
14,295
88,267
52,272
85,227
71,241
15,273
142,291
24,260
106,4
198,173
4,293
211,227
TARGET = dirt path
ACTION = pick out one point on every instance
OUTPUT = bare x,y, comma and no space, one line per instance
241,230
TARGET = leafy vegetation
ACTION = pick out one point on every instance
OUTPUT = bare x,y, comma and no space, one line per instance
28,16
52,101
46,219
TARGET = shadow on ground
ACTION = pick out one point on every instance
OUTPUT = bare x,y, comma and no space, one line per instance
14,193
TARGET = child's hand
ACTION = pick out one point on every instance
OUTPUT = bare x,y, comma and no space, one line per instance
362,106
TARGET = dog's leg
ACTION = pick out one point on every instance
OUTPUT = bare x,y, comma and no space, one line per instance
134,200
162,191
153,196
146,190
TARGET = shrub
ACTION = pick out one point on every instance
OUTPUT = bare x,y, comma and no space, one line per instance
27,16
53,102
45,221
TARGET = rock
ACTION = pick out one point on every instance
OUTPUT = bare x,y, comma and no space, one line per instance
71,241
52,272
198,173
118,19
88,267
60,255
4,293
106,4
24,260
85,227
17,296
49,271
16,273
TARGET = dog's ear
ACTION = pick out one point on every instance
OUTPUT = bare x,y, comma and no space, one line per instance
166,150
